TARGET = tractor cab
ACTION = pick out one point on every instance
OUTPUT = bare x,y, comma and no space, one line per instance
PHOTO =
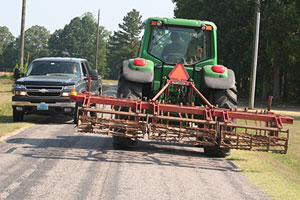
177,41
176,44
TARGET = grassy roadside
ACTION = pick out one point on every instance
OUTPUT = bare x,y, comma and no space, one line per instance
6,123
275,174
113,82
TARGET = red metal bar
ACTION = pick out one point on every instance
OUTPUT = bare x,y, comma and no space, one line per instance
161,91
270,103
89,83
201,95
196,110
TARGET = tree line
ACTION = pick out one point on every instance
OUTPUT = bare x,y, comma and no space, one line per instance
76,39
279,47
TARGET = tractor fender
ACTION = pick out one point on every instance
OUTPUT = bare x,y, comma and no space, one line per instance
220,83
138,74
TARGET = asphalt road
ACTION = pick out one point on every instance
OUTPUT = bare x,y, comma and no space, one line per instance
53,161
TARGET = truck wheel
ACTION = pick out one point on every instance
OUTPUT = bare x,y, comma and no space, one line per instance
18,116
126,89
225,99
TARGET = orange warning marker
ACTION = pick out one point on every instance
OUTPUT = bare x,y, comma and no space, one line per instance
179,73
73,93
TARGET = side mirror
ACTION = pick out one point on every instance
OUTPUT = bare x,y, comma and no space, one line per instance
17,73
94,74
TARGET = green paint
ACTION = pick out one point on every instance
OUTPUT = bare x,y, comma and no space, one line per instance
149,67
209,72
192,37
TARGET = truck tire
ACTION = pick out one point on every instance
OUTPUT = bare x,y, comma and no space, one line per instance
18,116
224,99
126,89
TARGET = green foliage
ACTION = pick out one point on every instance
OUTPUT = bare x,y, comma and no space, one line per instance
279,41
36,42
5,39
78,38
124,44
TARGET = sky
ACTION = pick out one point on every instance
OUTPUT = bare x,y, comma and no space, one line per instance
55,14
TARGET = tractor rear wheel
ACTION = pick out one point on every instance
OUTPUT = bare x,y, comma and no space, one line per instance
224,99
126,89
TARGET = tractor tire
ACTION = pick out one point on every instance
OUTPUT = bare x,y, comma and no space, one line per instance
224,99
18,116
216,152
126,89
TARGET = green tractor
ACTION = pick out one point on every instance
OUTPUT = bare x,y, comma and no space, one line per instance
166,43
175,91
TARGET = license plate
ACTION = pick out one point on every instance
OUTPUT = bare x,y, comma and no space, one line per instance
42,106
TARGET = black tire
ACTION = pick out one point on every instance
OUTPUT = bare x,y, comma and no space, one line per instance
224,99
129,89
126,89
216,152
18,116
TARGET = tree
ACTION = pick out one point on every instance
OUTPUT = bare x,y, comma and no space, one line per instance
36,42
6,38
124,43
78,38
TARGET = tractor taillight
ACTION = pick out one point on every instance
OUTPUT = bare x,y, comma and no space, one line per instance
218,69
140,62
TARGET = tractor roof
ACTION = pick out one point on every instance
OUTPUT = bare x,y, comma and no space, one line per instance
181,22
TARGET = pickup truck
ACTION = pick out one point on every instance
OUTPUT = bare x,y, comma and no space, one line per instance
45,87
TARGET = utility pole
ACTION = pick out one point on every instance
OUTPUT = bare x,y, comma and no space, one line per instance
255,54
22,35
97,43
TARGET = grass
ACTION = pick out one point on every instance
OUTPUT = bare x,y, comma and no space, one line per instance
277,175
114,82
6,123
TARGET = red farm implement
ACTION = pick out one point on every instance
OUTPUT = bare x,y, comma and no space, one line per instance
206,126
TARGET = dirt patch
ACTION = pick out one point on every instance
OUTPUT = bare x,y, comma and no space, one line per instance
6,81
6,73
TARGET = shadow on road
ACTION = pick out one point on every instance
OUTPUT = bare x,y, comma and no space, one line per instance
40,119
99,149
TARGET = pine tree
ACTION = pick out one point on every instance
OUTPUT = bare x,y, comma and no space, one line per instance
124,43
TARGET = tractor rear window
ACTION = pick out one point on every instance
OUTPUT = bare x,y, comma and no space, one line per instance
172,44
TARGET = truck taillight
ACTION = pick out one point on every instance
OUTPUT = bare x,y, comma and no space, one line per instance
218,69
140,62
